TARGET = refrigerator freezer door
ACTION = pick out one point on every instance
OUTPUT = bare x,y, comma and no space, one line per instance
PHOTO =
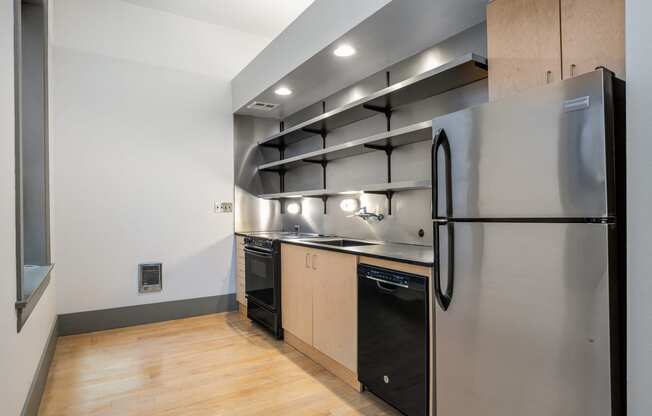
527,328
540,155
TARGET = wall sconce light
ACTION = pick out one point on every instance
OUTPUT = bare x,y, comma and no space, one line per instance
293,207
350,205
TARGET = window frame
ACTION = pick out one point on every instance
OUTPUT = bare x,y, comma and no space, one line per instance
25,305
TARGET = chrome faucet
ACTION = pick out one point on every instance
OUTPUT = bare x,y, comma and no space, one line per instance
368,216
297,229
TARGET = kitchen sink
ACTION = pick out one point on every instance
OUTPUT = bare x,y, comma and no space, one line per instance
344,243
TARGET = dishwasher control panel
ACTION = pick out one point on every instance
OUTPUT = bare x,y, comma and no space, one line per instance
383,275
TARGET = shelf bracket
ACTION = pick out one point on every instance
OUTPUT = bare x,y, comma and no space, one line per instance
281,178
389,195
323,164
384,110
378,109
282,202
324,200
388,149
280,147
321,132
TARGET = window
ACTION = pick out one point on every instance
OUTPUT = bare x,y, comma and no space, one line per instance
33,263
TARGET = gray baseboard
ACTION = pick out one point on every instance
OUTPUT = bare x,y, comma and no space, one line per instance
33,399
82,322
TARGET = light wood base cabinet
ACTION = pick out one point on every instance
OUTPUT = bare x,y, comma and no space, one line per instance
337,369
319,303
296,292
240,271
335,307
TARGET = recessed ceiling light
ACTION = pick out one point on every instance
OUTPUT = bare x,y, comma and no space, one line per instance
344,51
283,91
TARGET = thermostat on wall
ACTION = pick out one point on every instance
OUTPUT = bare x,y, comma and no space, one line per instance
150,277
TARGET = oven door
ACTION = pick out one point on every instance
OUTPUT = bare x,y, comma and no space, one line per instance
260,277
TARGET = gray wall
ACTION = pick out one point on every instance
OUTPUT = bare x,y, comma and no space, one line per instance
252,213
411,210
34,151
639,202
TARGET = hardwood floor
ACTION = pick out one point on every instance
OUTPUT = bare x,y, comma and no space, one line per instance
210,365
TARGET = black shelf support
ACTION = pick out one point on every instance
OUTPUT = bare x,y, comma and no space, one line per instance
384,110
388,194
324,200
388,149
323,164
280,147
321,132
281,178
387,110
282,202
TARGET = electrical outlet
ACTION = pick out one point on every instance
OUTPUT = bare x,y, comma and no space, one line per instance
223,207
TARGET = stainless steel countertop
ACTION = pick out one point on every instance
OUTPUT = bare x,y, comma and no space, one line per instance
406,253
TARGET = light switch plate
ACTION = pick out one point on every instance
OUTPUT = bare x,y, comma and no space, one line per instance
223,207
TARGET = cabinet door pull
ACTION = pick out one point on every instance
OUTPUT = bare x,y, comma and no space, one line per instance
572,70
314,262
307,260
548,76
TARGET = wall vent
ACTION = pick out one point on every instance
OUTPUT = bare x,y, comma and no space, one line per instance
260,106
150,277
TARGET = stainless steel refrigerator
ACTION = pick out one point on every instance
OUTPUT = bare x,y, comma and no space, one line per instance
528,225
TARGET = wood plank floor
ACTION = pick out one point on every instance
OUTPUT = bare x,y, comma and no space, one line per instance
210,365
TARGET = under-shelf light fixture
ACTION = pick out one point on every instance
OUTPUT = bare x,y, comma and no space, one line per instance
350,205
293,208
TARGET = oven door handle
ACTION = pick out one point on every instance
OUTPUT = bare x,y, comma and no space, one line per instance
259,253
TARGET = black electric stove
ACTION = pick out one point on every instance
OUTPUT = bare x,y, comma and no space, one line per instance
263,277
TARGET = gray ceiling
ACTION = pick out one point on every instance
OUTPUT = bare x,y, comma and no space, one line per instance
397,31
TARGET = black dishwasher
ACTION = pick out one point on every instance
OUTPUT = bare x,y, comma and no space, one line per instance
393,342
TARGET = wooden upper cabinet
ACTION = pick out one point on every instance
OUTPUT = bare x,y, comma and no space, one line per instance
523,45
593,34
335,306
296,292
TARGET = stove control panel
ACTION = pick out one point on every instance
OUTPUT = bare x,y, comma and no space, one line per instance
259,242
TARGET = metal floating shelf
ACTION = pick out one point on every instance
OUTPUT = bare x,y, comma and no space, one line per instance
382,188
414,133
451,75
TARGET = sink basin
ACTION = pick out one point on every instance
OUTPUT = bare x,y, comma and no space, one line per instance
344,243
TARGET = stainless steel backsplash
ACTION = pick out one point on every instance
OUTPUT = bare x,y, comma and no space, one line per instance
410,210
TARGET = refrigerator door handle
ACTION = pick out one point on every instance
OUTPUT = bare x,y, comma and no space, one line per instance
444,298
441,140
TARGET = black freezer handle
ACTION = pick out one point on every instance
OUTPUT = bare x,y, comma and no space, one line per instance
440,141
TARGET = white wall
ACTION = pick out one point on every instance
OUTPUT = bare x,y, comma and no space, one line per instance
19,352
639,201
143,147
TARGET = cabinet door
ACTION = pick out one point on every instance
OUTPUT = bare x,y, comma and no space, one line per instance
593,34
296,292
523,40
335,307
